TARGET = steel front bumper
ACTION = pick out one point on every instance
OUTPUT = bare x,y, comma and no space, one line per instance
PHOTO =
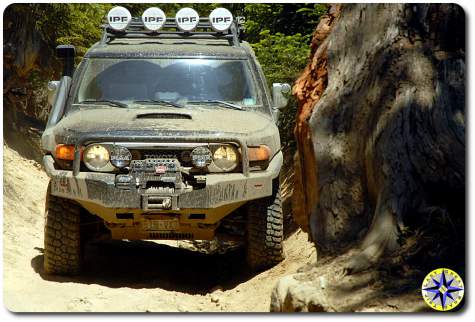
221,189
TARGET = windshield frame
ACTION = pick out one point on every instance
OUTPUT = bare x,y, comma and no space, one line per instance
262,97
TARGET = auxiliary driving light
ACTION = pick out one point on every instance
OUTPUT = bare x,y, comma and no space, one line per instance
187,19
153,18
120,156
221,19
119,18
201,157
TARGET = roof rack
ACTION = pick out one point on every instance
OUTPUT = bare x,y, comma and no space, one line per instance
204,30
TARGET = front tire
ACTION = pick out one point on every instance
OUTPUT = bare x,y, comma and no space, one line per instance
265,231
62,239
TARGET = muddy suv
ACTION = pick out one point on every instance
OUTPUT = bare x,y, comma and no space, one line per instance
163,135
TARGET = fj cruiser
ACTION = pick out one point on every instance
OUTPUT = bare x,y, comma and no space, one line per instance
165,130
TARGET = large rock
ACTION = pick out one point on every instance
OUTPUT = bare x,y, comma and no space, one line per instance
325,288
295,294
29,63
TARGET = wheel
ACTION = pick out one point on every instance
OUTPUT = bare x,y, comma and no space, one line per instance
62,253
265,231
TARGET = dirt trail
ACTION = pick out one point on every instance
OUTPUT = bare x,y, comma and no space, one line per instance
124,276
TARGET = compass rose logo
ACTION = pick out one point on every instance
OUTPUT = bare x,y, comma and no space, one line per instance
442,289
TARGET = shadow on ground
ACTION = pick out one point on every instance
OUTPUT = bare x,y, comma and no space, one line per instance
146,264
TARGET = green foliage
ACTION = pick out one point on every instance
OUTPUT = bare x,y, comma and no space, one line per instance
77,24
280,35
282,57
288,19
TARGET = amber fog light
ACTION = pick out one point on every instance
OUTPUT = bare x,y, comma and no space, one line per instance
260,153
259,157
64,152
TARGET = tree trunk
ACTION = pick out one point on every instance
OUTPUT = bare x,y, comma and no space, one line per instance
381,127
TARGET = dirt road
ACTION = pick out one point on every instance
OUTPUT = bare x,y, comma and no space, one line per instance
124,276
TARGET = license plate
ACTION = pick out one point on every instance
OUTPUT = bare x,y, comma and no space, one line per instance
168,224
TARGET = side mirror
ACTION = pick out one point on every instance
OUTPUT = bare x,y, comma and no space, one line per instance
280,92
52,91
66,53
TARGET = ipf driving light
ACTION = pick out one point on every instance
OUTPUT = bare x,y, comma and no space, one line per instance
221,19
201,157
153,18
119,18
187,19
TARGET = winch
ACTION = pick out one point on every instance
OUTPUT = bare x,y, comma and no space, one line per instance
152,173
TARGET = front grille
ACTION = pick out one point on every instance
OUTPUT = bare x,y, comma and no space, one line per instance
184,156
150,165
174,236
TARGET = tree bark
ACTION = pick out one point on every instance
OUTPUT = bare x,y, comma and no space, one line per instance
380,128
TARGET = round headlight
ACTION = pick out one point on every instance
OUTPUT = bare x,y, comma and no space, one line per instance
201,157
225,157
96,157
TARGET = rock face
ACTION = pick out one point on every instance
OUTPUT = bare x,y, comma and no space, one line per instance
325,289
28,65
381,133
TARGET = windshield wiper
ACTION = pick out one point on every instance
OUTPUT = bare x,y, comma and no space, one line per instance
223,103
108,102
160,102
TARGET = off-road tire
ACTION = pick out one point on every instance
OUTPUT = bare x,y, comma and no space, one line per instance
62,253
265,231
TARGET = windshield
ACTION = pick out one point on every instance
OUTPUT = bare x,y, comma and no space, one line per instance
187,81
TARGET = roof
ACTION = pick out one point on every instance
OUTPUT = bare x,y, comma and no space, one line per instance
169,47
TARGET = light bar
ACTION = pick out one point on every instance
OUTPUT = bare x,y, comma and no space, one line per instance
187,19
153,18
119,18
221,19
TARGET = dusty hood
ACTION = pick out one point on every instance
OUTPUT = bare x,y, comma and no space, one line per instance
164,119
252,127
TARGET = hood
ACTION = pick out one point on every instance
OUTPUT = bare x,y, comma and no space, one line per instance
164,119
165,122
200,123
